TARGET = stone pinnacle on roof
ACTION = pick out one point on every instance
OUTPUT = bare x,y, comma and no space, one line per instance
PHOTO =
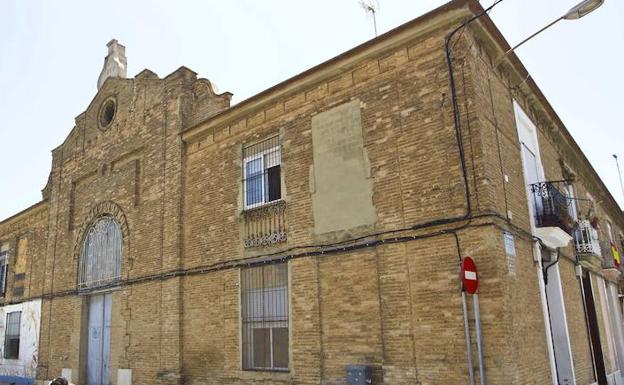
115,63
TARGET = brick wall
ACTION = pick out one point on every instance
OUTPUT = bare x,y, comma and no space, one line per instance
394,306
495,92
169,170
28,229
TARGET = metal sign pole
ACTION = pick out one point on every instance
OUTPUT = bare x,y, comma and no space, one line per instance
468,340
477,315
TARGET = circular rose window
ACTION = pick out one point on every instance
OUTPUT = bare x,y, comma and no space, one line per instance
107,113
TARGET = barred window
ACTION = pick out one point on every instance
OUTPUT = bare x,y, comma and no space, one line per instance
4,267
12,335
264,292
100,258
261,172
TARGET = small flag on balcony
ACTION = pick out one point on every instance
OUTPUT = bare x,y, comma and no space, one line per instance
616,255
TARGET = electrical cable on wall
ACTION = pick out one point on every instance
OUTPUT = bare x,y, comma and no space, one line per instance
326,249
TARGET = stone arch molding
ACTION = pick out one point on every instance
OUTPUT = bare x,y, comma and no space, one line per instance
97,211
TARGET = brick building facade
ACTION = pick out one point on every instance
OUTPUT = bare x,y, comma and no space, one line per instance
319,224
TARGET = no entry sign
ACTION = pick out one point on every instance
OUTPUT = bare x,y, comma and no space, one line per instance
469,276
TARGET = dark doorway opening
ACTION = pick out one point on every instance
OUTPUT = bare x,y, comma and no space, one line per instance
594,331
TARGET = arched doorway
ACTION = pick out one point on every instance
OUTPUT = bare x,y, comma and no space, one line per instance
100,268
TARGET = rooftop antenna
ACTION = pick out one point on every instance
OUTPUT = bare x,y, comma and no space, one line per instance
617,163
371,8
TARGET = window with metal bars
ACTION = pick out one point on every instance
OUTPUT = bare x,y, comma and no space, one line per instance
12,335
100,257
4,267
264,299
261,172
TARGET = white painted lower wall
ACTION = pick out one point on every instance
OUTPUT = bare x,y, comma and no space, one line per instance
26,364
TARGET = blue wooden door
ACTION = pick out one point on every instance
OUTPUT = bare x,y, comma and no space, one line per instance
98,357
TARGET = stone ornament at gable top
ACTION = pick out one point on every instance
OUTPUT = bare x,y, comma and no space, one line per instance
203,87
115,63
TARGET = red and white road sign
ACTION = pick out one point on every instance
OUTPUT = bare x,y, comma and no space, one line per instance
469,275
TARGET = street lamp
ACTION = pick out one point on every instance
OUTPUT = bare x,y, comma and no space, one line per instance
617,163
581,9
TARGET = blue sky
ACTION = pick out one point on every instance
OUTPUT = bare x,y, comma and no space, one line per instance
51,54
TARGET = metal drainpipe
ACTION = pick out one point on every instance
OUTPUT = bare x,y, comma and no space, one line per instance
468,340
457,124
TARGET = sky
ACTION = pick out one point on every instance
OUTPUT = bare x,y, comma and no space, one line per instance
51,54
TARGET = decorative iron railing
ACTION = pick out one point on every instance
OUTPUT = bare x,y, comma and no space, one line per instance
265,225
586,239
551,206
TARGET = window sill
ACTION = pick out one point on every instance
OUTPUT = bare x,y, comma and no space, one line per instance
267,370
258,206
99,289
265,375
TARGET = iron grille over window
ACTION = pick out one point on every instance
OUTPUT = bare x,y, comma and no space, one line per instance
261,172
586,239
264,311
4,263
12,335
100,258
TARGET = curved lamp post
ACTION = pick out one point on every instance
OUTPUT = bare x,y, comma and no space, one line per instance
581,9
617,163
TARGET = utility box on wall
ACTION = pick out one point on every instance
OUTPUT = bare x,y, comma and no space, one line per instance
359,375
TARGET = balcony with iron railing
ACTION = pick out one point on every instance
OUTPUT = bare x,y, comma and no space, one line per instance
587,245
553,223
265,225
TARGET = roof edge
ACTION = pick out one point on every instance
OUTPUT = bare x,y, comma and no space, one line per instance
496,35
395,36
25,211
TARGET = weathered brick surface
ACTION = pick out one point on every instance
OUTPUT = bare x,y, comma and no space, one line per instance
494,93
30,230
169,170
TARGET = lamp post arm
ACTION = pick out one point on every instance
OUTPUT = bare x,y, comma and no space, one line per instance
510,50
617,163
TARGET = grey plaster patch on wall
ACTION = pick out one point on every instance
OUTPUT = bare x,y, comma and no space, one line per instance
342,197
